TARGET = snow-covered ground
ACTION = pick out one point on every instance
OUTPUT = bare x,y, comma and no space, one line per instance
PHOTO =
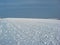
25,31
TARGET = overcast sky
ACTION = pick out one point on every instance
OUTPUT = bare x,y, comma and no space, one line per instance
30,8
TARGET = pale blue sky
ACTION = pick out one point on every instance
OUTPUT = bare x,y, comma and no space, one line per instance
30,8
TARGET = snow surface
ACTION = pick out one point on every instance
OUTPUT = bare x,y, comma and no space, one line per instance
24,31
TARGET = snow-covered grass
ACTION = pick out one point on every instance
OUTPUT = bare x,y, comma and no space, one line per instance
28,31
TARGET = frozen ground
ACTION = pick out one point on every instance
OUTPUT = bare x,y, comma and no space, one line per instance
20,31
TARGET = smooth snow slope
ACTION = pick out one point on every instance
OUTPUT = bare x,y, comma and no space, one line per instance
25,31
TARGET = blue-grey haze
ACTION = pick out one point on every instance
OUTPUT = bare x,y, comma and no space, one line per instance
30,8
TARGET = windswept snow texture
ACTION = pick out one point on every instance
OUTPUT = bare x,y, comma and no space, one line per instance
29,33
